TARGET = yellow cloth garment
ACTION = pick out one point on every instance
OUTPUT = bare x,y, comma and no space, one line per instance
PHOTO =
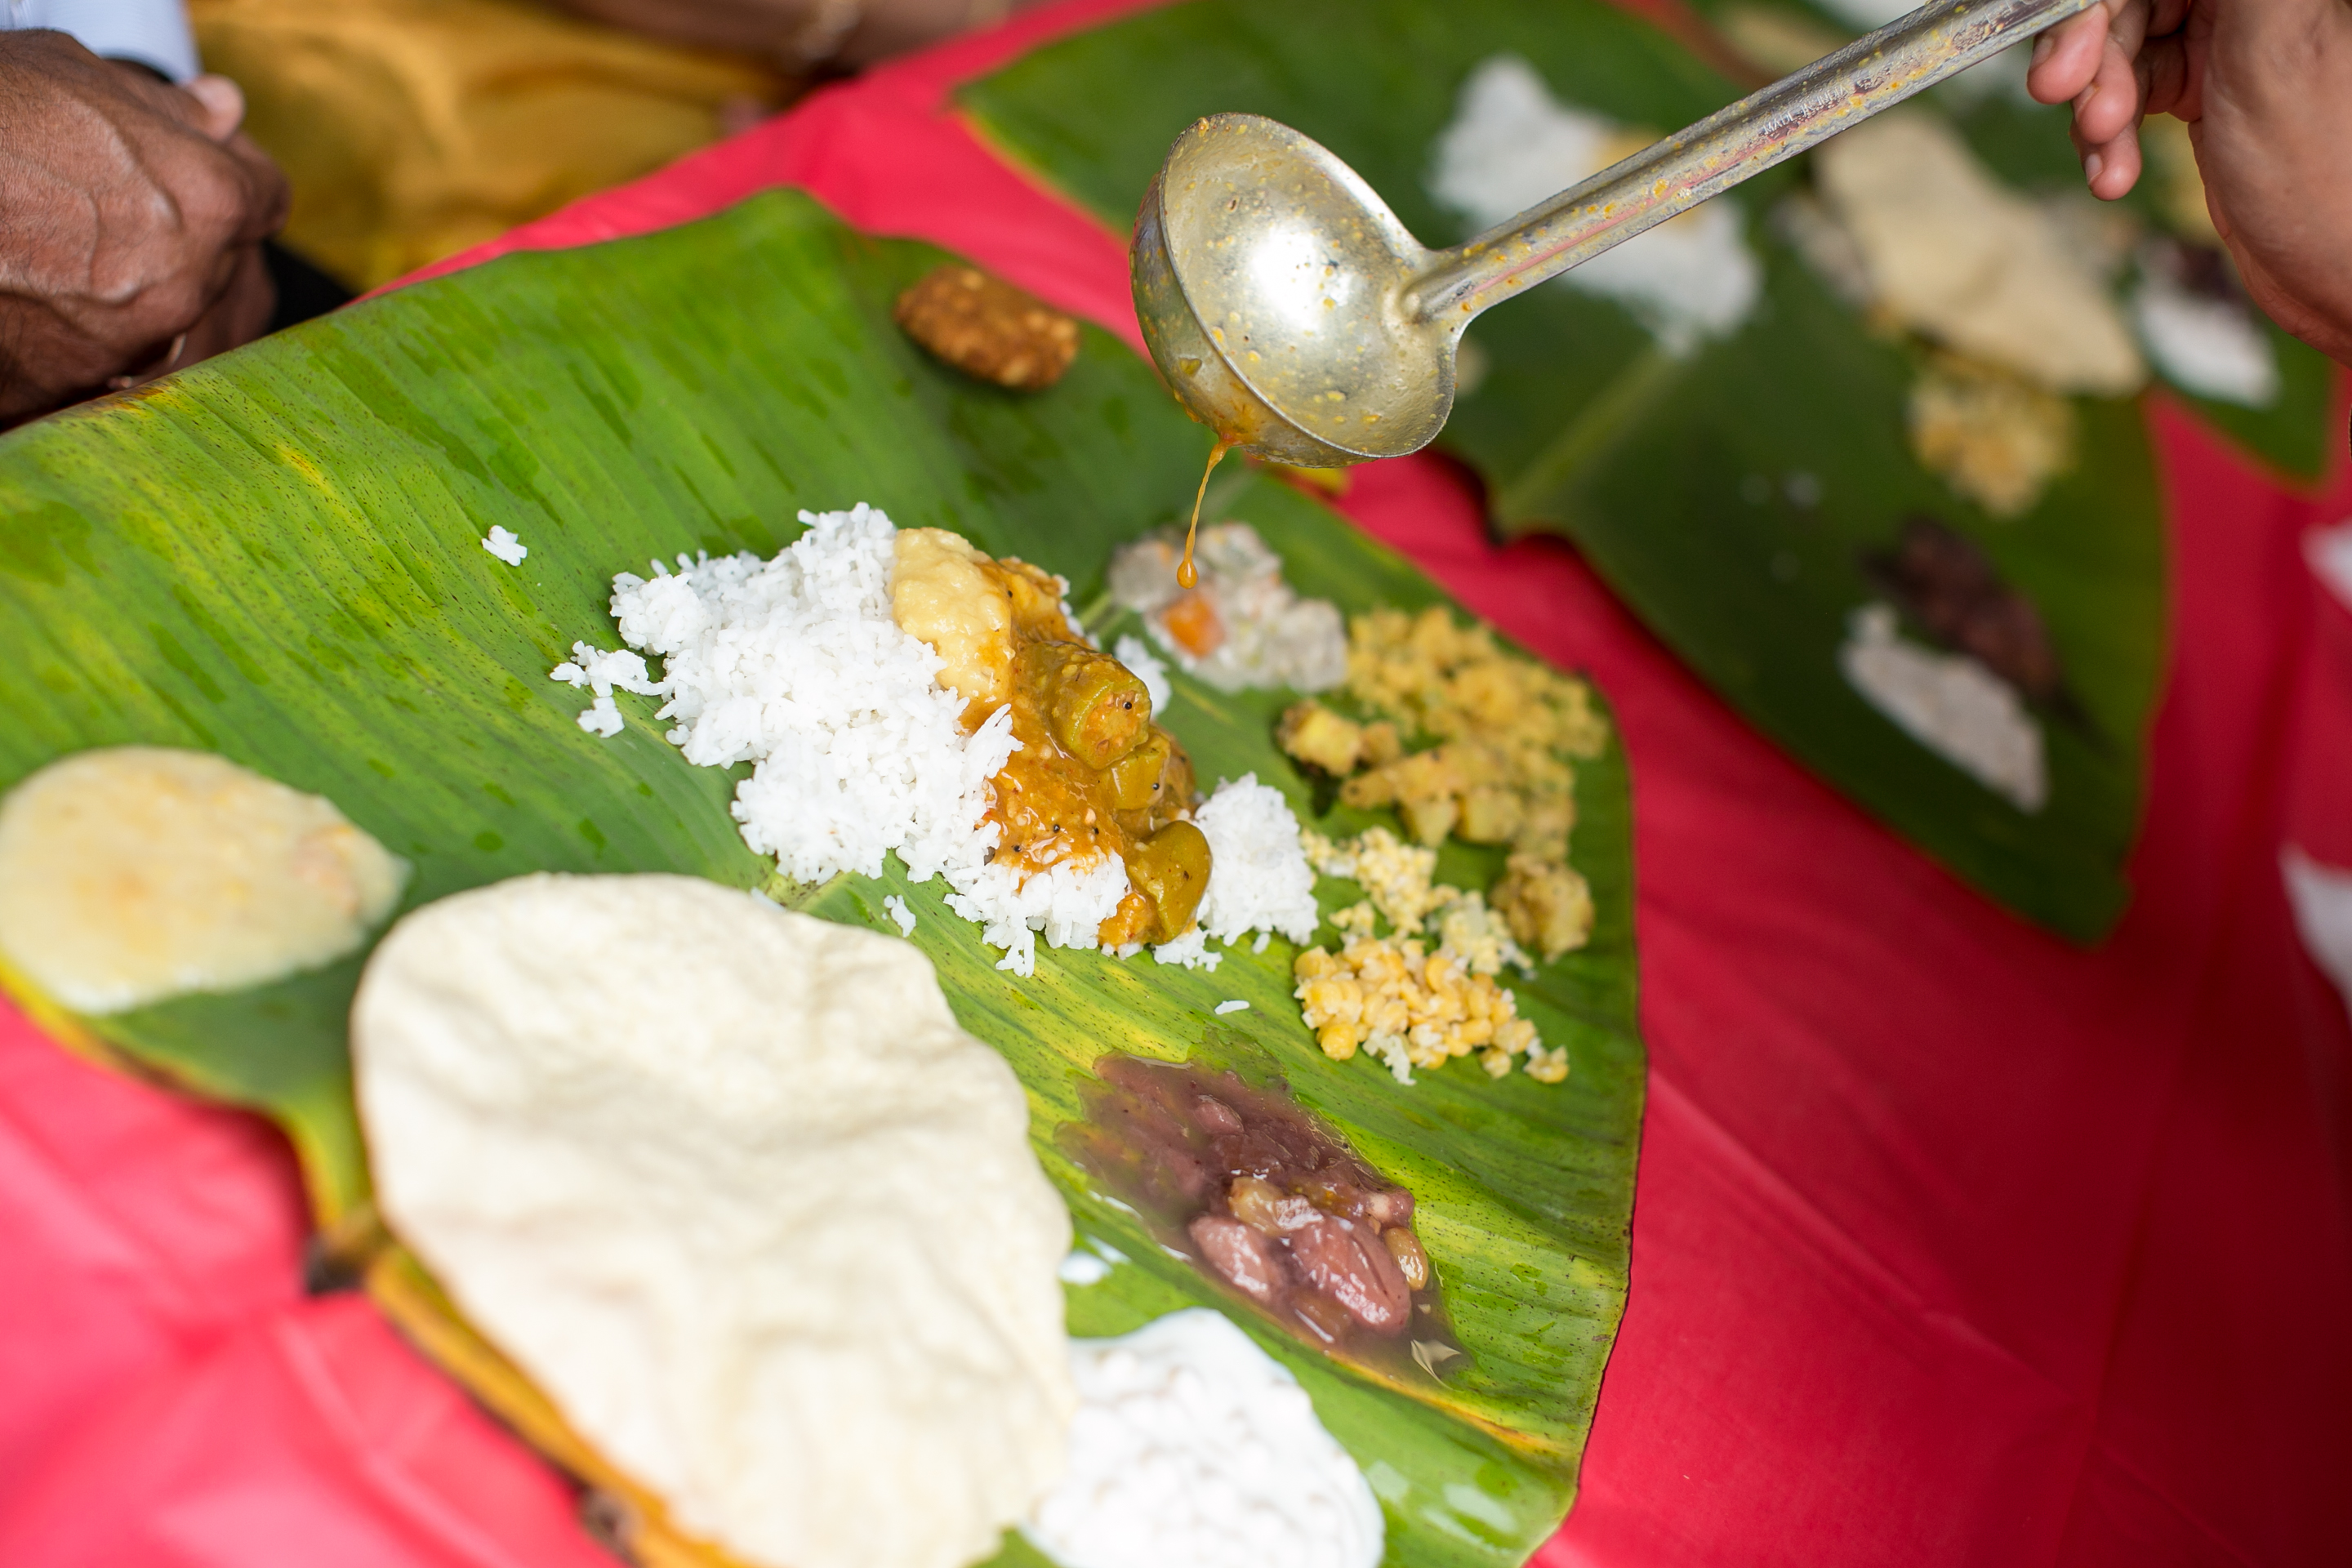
412,129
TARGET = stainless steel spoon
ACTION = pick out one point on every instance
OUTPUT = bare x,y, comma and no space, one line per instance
1297,318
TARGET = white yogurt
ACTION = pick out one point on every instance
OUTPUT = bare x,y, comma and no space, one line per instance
1193,1448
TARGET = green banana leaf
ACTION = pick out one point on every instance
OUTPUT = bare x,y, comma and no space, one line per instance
277,556
1731,497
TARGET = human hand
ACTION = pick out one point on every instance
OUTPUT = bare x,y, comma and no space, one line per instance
2265,88
132,216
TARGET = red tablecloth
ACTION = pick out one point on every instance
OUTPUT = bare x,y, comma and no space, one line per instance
1952,1244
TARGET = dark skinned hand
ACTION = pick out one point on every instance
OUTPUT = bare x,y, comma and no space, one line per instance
2265,88
132,216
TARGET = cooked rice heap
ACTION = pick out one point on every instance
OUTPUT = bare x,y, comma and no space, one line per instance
1512,144
1242,626
866,740
1508,730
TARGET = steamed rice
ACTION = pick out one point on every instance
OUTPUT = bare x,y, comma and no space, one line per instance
1512,144
857,752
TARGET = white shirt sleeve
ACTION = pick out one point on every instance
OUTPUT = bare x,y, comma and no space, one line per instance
151,32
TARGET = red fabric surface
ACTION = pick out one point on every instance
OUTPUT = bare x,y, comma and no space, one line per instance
1952,1244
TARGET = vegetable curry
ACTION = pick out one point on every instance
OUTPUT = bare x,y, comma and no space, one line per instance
1093,775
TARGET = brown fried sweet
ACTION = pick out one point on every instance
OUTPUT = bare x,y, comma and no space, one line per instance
988,328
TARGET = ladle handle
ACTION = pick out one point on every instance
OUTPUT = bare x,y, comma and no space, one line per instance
1769,126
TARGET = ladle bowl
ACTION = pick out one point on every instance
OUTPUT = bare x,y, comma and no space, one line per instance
1293,315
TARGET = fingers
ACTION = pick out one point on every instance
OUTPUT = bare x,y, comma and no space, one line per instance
269,197
2165,85
2109,104
239,316
2067,56
2111,168
220,104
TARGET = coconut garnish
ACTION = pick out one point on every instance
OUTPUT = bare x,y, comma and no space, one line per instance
729,1185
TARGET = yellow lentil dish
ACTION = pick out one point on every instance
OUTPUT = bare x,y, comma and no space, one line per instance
1508,732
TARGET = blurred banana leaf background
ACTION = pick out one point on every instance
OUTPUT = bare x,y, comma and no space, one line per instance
278,556
1842,510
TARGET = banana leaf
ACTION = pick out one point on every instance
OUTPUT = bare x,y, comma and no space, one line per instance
2026,144
277,556
1732,497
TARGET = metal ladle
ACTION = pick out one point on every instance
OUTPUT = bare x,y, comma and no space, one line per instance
1295,317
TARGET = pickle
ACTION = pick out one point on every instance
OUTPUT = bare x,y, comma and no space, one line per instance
1171,869
1093,704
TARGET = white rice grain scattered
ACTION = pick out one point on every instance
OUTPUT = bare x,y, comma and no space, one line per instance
503,543
1225,1008
1189,950
602,718
900,915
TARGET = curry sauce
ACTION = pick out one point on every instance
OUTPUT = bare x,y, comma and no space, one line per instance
1093,775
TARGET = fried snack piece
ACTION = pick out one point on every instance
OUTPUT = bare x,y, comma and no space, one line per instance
988,328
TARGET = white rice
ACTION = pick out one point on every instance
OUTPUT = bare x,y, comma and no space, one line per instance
1190,950
795,666
900,915
2211,347
1949,703
503,543
1259,878
1511,144
1234,1006
1194,1448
